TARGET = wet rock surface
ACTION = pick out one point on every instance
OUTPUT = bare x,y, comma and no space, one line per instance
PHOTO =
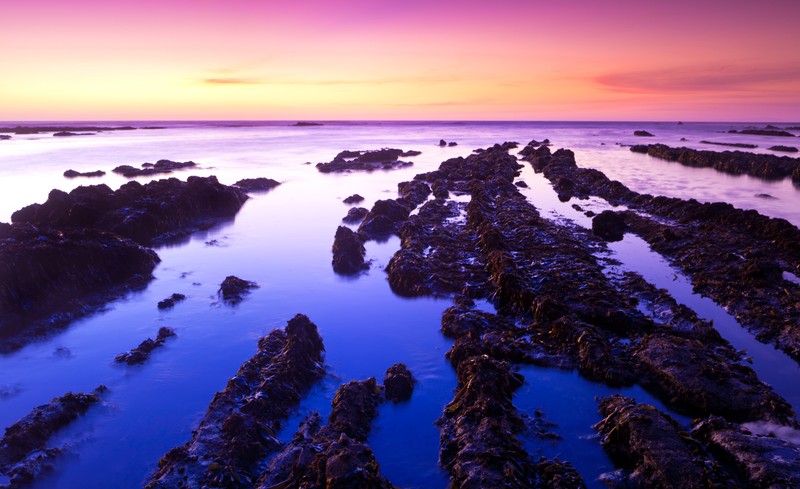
385,218
238,430
158,211
733,256
161,166
75,174
142,352
335,455
23,452
348,252
353,199
170,301
399,383
49,277
233,289
769,167
260,184
379,159
355,215
609,225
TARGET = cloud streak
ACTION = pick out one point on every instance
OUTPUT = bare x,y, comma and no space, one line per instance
412,80
701,79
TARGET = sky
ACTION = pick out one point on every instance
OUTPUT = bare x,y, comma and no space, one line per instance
698,60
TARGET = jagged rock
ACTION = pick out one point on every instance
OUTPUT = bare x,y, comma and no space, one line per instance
155,212
260,184
355,215
233,289
348,252
380,159
609,225
145,348
48,278
170,301
398,384
385,218
238,429
414,191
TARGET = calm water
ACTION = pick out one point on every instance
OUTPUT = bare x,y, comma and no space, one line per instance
282,240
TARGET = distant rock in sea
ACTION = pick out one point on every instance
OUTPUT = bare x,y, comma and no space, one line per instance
307,124
69,133
735,145
763,132
74,174
785,149
642,134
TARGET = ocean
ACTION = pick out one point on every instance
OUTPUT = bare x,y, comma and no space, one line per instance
282,240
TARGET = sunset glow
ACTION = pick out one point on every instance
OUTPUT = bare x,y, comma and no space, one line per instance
358,59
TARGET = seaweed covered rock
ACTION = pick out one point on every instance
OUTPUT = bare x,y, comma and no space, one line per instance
414,191
398,384
385,218
23,452
238,429
145,348
380,159
260,184
348,252
154,212
233,289
609,225
48,278
335,455
355,215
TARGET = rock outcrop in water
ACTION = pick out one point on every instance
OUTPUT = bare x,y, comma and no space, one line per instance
142,352
768,167
763,132
238,430
24,455
379,159
233,289
348,252
170,301
155,212
355,215
40,129
260,184
75,174
353,199
147,169
784,149
334,455
735,145
49,277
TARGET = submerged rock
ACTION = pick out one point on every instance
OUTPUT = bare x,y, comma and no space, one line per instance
260,184
48,277
74,174
348,252
238,429
158,211
23,452
145,348
233,289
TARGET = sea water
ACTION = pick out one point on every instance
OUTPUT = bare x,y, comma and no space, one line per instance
282,240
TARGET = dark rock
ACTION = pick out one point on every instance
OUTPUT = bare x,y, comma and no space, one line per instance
609,225
355,215
145,348
23,452
735,145
4,137
307,124
385,218
68,133
48,278
765,196
521,184
763,132
158,211
785,149
380,159
348,252
414,191
642,133
760,460
170,301
238,429
442,142
398,384
233,289
38,129
652,446
333,456
260,184
353,199
452,143
73,173
161,166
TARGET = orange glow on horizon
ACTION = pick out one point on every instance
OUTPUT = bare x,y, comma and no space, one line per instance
576,60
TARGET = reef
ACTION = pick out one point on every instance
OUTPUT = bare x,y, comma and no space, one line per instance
74,174
153,213
260,184
24,456
763,132
768,167
238,430
784,149
142,352
147,169
233,289
735,145
379,159
49,277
